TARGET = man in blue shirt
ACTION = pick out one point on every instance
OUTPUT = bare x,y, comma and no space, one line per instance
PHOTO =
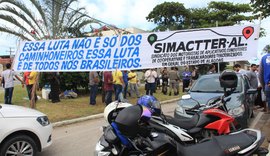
264,76
186,76
125,79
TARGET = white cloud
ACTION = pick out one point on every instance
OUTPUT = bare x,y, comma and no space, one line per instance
133,13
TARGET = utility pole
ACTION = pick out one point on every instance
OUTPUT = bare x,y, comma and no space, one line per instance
218,62
10,52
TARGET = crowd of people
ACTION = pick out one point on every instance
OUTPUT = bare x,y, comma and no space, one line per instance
126,83
257,77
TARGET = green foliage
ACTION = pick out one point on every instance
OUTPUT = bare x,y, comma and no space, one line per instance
261,6
43,19
169,15
68,80
174,16
266,49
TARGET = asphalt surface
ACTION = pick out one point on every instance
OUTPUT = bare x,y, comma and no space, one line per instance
80,138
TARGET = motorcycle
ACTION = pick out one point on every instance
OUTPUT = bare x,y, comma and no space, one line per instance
244,142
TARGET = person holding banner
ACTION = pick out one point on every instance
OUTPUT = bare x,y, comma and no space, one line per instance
118,83
26,82
31,81
7,76
150,77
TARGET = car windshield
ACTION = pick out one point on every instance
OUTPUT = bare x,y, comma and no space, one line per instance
211,84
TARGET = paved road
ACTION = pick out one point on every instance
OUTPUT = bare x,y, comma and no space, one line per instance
79,139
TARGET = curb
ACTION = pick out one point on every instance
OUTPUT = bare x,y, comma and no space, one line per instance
96,116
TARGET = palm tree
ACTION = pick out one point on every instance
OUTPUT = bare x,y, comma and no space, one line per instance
43,19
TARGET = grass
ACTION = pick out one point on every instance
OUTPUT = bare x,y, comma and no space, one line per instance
69,108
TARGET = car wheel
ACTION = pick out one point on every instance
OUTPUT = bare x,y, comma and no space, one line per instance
20,145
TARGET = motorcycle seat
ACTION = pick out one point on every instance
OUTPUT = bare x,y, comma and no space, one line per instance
187,123
225,145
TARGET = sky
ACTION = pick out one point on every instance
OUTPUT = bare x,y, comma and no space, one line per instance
132,13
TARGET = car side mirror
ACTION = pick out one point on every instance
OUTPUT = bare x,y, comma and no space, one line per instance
251,91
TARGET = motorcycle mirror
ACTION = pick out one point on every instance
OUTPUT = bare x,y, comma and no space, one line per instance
186,97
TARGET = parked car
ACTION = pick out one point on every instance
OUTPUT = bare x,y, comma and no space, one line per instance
208,86
23,131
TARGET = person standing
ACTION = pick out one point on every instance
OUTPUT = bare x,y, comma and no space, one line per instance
264,76
32,78
253,79
118,83
165,80
252,76
108,86
150,76
133,80
7,77
125,79
173,76
261,99
186,74
238,69
212,69
93,82
26,82
55,87
195,74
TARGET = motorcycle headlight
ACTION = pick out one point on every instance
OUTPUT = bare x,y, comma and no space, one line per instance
238,111
43,120
99,152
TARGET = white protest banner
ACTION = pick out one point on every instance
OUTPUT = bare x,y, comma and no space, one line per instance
139,51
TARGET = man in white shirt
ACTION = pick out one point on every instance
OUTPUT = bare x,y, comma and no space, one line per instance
7,75
150,77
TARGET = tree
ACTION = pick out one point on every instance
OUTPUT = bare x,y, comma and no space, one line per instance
174,16
37,19
169,15
225,13
261,6
43,19
266,49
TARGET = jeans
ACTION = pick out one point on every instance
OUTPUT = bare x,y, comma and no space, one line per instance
134,89
150,88
118,90
267,94
185,84
125,90
8,95
93,94
108,97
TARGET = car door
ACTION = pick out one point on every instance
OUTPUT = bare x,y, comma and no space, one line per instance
249,98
